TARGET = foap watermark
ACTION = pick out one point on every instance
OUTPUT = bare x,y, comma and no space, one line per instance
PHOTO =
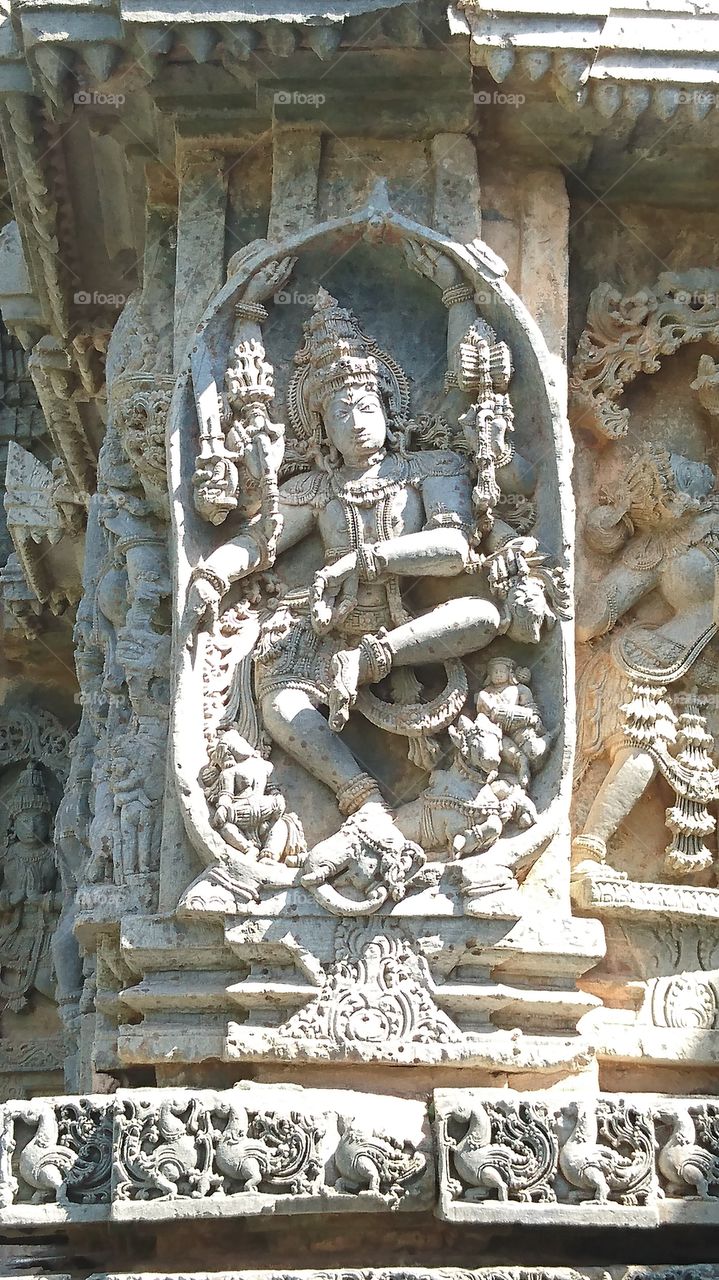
496,98
514,501
294,98
693,700
95,298
697,98
92,98
293,298
696,298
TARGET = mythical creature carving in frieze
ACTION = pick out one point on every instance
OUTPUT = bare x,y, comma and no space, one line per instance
337,567
189,1153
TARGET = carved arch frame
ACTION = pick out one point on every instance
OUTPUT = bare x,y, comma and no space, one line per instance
196,398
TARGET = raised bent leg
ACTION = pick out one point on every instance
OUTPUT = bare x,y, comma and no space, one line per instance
451,630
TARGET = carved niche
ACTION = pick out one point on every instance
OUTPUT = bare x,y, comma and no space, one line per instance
372,710
34,762
647,778
648,693
284,642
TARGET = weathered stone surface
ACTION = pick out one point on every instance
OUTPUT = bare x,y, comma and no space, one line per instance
168,1154
293,515
633,1161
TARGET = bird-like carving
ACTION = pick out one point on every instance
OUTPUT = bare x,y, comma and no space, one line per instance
373,1165
682,1161
280,1151
610,1152
44,1162
512,1153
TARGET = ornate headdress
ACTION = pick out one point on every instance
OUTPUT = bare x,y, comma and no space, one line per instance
30,792
653,489
336,353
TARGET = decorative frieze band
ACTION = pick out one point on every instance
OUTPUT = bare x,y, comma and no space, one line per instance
157,1154
634,1160
700,1271
170,1154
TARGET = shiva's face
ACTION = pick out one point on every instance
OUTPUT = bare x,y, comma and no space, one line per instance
355,423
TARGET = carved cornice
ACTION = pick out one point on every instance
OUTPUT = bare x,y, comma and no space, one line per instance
700,1271
616,57
612,895
51,45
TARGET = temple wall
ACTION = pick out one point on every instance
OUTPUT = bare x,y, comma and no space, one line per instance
358,682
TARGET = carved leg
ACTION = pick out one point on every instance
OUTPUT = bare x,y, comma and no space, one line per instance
66,956
368,1170
128,838
144,842
409,820
491,1178
631,772
517,761
275,841
302,731
598,1184
452,630
693,1174
251,1171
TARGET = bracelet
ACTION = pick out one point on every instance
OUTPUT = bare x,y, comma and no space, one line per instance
457,293
251,311
377,655
209,575
352,795
505,457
